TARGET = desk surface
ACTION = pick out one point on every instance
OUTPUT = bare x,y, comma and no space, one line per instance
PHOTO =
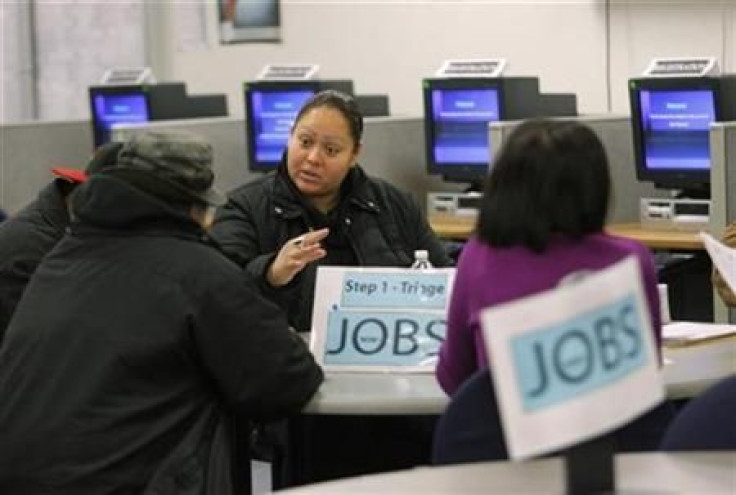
687,372
651,472
462,227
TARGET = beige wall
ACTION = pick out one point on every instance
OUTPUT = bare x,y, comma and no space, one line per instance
388,46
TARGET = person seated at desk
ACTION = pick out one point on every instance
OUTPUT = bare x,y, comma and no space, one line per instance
540,220
724,291
353,219
34,231
137,342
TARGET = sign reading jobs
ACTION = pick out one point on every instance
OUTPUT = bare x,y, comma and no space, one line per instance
380,319
573,362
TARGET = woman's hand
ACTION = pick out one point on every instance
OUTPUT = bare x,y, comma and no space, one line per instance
294,255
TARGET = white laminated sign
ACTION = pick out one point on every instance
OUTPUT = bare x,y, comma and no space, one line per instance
380,319
574,362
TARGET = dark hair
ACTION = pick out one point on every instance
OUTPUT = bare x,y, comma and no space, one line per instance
549,178
343,103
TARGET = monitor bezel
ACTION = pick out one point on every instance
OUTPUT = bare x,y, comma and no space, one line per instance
457,171
133,89
255,165
696,182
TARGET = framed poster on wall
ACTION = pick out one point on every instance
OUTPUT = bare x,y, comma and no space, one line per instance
244,21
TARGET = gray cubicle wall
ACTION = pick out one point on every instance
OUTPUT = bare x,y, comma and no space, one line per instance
393,149
722,194
28,151
615,133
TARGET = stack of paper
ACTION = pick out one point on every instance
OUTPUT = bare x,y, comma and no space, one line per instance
691,332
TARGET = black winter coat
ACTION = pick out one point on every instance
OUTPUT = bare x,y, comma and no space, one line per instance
134,344
24,240
383,227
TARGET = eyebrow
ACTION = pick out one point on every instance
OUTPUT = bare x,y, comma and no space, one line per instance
329,138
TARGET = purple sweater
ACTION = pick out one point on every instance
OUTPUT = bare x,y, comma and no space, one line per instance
487,276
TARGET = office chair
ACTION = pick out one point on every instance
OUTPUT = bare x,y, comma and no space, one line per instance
470,428
707,422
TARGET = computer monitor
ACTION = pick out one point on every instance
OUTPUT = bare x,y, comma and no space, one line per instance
112,105
670,120
270,110
456,117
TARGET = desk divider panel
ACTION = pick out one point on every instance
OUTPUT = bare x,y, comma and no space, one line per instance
29,150
615,133
393,149
723,195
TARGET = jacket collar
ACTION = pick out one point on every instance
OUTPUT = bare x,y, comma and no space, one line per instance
289,203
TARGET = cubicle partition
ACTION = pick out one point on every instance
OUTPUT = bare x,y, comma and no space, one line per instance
615,133
723,194
29,150
393,149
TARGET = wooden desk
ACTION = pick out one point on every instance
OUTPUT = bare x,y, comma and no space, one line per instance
454,227
701,472
658,239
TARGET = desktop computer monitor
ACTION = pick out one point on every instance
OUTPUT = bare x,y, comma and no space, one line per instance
456,117
270,110
112,105
671,119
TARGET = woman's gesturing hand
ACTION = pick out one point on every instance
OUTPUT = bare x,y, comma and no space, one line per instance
294,255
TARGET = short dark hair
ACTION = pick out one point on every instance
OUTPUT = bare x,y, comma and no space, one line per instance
343,103
551,177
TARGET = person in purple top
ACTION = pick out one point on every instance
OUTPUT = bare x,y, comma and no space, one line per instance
542,216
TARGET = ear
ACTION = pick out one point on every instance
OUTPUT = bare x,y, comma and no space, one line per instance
356,153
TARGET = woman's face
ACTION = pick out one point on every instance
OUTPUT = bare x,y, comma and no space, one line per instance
321,153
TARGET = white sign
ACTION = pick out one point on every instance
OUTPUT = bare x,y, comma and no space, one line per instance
681,66
487,67
723,257
380,319
574,362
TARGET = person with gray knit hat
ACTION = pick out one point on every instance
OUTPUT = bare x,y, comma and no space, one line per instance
176,167
156,342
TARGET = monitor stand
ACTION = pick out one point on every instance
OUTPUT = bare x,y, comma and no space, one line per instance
475,186
693,194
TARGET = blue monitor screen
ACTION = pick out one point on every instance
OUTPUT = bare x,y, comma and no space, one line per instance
273,114
460,119
675,128
112,109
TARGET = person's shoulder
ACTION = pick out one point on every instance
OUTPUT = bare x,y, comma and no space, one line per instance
200,259
255,187
624,245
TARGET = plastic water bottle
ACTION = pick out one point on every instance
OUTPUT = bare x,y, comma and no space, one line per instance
421,259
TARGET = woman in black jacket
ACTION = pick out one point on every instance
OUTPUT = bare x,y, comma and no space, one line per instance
320,208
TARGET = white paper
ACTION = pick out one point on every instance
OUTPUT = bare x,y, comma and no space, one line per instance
723,257
570,329
693,331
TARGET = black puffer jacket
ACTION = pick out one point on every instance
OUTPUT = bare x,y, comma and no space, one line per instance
135,342
24,240
383,227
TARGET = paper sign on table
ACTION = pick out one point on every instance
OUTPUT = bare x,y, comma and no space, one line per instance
380,319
